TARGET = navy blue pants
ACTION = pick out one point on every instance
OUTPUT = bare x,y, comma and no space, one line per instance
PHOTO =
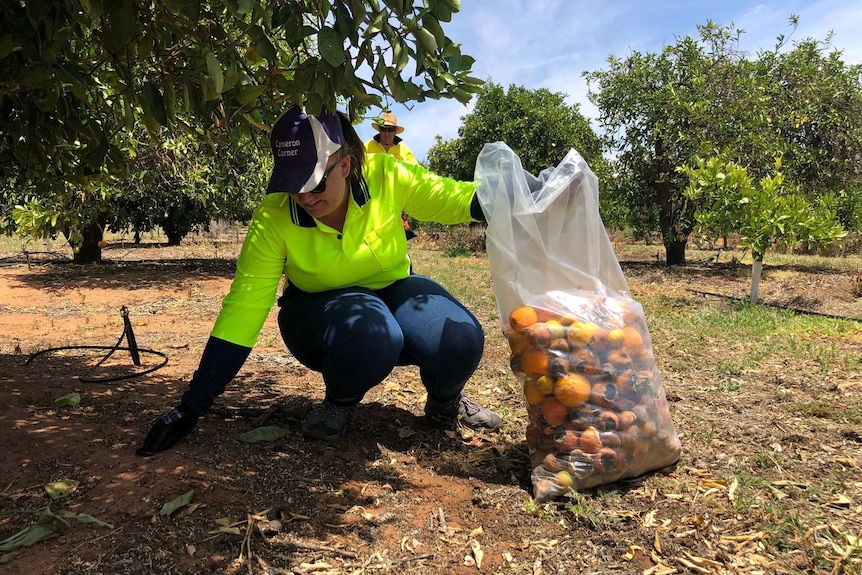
355,336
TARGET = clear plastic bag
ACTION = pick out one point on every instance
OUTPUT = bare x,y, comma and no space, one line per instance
580,345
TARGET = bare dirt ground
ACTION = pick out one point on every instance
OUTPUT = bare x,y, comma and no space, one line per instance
394,496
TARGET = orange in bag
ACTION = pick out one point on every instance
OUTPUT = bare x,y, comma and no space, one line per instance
596,407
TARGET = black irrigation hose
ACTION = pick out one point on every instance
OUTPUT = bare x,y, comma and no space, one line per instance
11,260
778,306
133,350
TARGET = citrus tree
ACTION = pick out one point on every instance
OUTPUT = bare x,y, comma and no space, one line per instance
76,79
537,124
658,111
726,199
817,103
701,97
182,186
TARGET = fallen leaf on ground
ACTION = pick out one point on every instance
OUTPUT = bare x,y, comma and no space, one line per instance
70,399
743,538
268,433
61,488
47,526
839,500
85,519
177,503
631,552
478,554
847,461
225,530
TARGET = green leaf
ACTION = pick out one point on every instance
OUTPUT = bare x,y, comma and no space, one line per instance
174,504
426,41
330,44
155,104
396,6
461,95
343,20
123,25
432,25
93,7
188,8
170,101
251,119
359,13
248,94
282,14
61,488
85,519
145,46
71,78
215,72
68,399
400,54
245,6
231,78
396,84
270,433
265,48
47,526
376,25
6,46
441,11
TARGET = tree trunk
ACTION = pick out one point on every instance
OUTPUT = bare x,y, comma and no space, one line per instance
175,226
89,251
756,269
174,236
674,241
675,252
674,238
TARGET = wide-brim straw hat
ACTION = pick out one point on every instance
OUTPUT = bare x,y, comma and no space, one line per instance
388,120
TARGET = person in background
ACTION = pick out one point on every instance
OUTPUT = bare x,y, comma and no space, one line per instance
351,310
387,141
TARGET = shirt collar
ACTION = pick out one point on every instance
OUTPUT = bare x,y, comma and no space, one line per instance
301,218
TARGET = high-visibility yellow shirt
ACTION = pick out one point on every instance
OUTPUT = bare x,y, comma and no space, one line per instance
399,149
371,252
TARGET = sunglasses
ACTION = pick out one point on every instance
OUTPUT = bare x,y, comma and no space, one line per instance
387,129
321,187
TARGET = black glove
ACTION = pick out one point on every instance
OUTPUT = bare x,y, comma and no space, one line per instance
168,430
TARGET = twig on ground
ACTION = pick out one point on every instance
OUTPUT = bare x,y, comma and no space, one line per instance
309,547
441,518
271,410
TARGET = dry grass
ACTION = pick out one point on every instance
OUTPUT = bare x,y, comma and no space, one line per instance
766,401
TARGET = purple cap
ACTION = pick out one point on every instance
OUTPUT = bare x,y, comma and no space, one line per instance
301,145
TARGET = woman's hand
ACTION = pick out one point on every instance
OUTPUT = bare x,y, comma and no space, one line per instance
168,430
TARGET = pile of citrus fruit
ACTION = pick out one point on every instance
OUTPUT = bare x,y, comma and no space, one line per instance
597,409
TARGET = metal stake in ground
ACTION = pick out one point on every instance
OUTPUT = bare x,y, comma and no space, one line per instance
133,349
130,336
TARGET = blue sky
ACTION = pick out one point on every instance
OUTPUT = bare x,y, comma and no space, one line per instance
550,43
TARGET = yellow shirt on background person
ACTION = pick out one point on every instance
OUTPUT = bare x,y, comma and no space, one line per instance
399,149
